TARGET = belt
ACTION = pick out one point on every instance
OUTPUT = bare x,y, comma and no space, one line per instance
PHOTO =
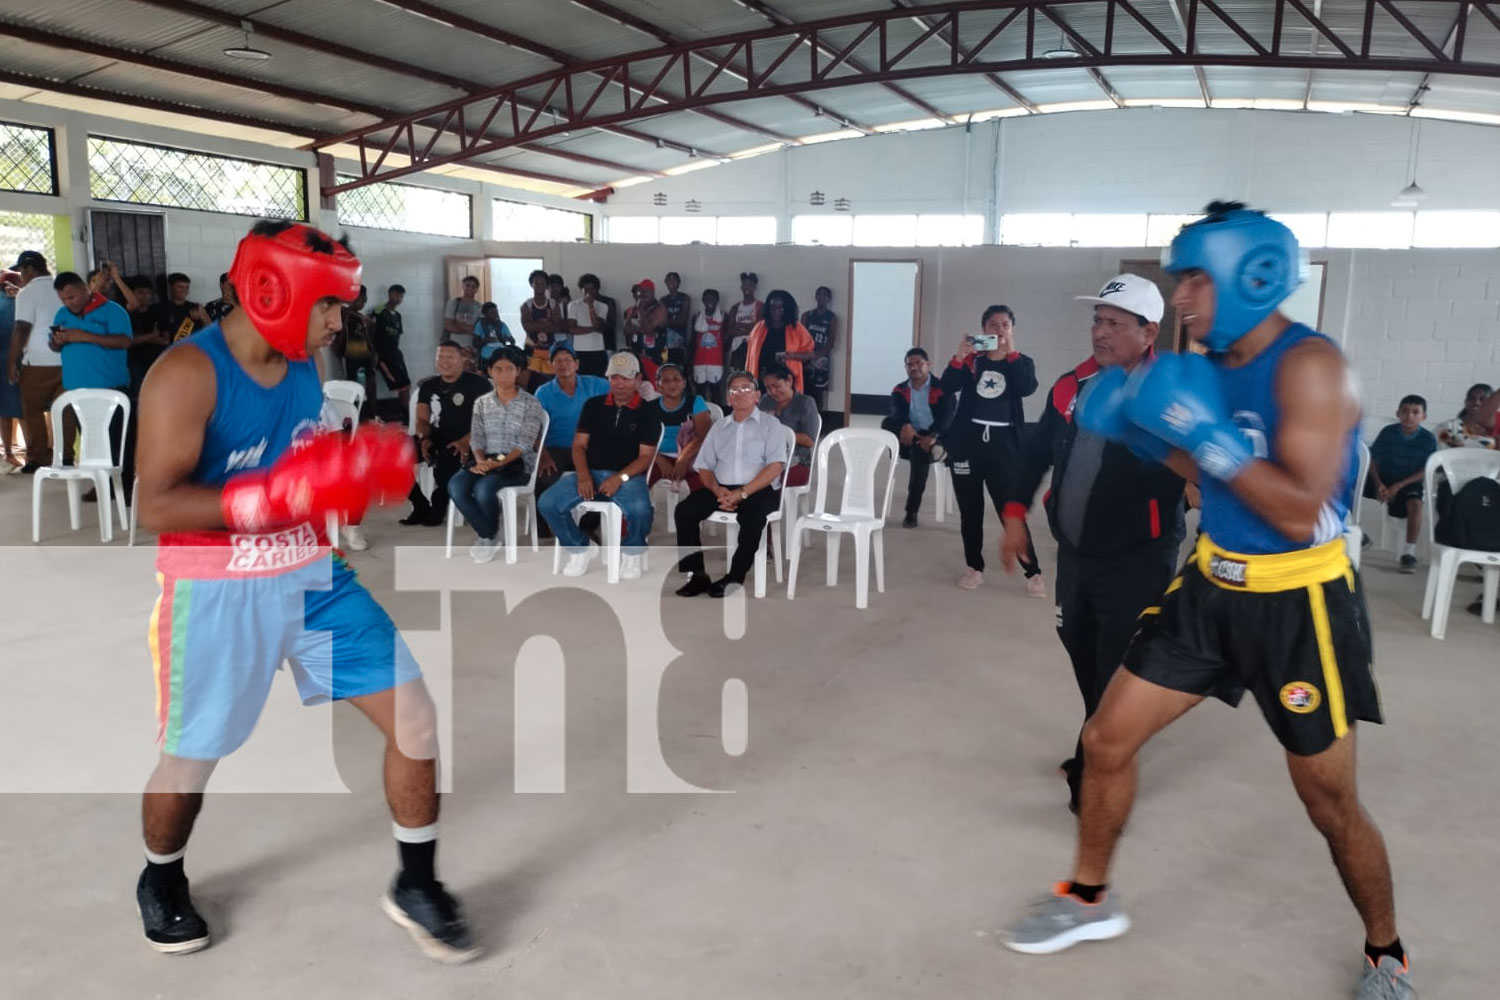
1269,574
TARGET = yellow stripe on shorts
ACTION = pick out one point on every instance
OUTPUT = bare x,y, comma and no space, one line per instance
1332,682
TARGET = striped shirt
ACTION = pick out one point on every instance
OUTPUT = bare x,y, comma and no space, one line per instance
499,427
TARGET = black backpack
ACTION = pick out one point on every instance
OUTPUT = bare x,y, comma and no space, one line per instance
1472,520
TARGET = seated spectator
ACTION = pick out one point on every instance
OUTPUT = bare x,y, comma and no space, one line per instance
796,411
1469,429
491,333
177,317
224,304
1398,463
919,415
705,354
679,411
740,467
563,399
445,411
587,323
781,339
503,436
386,339
93,334
612,449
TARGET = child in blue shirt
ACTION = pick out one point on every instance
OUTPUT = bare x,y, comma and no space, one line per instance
1398,463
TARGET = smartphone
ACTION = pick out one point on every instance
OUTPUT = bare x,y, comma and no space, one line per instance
984,341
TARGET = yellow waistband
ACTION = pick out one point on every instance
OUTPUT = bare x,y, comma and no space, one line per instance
1271,573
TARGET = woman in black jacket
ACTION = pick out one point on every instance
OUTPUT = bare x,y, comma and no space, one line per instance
984,441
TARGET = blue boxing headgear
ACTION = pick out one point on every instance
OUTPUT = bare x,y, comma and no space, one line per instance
1253,261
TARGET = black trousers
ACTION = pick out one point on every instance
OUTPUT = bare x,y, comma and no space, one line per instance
986,465
444,465
751,515
1099,603
921,464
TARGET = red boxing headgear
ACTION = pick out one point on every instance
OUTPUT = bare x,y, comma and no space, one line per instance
279,276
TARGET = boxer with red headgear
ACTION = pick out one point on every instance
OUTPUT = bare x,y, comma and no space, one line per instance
237,477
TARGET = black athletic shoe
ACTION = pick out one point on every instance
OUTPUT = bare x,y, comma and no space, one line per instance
417,517
173,926
910,520
432,918
697,584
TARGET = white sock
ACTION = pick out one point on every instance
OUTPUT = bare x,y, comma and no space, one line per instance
1409,549
415,834
165,859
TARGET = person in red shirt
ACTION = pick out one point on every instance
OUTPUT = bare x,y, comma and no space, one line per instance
705,350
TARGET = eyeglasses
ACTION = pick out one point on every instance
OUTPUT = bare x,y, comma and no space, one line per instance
741,390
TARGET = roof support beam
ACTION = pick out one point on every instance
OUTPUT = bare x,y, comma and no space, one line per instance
966,54
1189,28
1087,46
1452,46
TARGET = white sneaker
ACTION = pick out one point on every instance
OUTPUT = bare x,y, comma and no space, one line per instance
971,579
1036,586
484,550
354,538
630,567
578,562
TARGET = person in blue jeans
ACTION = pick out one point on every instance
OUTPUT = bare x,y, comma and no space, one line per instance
612,449
503,440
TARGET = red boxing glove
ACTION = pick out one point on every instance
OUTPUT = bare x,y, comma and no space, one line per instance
305,484
390,461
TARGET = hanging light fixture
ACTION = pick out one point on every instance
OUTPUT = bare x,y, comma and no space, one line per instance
816,198
658,199
246,51
841,205
1063,50
693,206
1409,196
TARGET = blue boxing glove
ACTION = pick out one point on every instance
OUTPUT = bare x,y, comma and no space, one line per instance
1146,446
1178,401
1101,407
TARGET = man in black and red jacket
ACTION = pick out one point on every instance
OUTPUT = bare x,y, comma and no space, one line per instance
1117,517
919,415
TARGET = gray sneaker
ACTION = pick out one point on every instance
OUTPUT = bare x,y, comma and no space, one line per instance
1390,980
1059,921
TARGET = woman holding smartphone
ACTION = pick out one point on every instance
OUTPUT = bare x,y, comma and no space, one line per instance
984,440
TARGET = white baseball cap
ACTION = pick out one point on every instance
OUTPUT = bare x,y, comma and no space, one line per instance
1132,293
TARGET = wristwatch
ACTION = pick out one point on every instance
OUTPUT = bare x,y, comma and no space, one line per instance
624,477
744,495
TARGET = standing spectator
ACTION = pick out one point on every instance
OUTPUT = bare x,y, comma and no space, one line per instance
563,399
823,324
33,363
984,443
10,394
679,411
459,317
99,282
1398,465
740,467
541,323
92,334
224,304
1469,429
742,319
147,342
706,353
920,414
386,338
679,306
445,407
586,327
354,345
796,411
505,426
490,334
780,339
645,326
557,288
177,317
617,434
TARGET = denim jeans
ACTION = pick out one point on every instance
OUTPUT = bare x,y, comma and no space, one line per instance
633,498
478,497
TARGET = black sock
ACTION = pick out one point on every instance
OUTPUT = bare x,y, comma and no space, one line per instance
1393,949
1087,893
417,863
164,875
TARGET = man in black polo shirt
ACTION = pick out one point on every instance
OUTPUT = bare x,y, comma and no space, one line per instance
612,449
1117,517
445,409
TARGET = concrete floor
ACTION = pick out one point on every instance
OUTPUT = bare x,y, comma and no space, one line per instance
898,803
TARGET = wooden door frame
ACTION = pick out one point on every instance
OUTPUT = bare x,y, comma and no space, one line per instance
916,321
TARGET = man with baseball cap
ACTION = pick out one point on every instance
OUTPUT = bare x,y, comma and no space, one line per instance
612,449
34,364
1117,517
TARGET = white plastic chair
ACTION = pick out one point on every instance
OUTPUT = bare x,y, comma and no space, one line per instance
94,408
509,497
426,478
1460,466
773,524
715,410
792,496
613,525
342,400
673,497
861,449
1354,534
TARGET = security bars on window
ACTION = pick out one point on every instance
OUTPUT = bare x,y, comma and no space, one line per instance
143,174
408,208
27,161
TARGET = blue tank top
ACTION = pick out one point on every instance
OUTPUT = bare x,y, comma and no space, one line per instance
1250,393
252,425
